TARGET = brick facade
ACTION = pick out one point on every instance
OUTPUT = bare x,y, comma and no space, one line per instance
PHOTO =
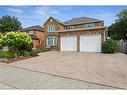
60,27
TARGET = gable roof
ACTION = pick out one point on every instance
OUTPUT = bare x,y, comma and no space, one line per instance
80,20
36,27
55,20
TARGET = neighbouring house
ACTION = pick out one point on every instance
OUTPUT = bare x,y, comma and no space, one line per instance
37,35
77,34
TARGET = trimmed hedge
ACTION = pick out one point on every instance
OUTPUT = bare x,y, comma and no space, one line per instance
109,46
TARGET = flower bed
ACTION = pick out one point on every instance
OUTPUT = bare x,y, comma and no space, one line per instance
9,56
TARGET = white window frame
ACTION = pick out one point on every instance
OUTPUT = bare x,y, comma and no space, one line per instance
89,25
51,28
54,43
31,32
70,27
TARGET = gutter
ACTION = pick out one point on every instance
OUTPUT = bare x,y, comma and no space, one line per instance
68,30
83,22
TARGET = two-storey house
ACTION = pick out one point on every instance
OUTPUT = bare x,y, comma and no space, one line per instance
77,34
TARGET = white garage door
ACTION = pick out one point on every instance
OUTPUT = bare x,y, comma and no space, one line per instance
90,43
68,43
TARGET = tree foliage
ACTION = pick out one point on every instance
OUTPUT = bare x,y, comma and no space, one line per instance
8,23
17,40
118,30
122,14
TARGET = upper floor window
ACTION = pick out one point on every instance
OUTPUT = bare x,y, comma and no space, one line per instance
89,25
51,28
31,32
70,27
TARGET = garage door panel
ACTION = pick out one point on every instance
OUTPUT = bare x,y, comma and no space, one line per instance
68,43
91,43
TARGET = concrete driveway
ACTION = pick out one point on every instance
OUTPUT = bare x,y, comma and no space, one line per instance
19,78
105,69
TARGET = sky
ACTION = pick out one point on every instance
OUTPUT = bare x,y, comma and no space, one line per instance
37,15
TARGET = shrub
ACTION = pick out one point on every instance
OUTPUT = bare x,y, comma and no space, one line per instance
33,53
109,46
37,50
19,40
24,53
7,54
10,54
16,41
45,49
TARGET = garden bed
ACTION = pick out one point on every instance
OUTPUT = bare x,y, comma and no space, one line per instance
9,57
10,60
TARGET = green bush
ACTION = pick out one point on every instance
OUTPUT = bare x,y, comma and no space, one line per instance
109,46
24,53
33,53
7,54
17,40
45,49
37,50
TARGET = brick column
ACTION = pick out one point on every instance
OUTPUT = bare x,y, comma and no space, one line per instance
78,42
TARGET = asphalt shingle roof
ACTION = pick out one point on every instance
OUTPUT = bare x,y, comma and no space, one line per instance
80,20
36,27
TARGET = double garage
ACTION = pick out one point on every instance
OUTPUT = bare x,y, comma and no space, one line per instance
81,43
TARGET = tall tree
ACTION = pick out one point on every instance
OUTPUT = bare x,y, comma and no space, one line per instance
118,30
9,23
122,14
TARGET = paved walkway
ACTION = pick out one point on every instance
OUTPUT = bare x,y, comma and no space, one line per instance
17,78
106,69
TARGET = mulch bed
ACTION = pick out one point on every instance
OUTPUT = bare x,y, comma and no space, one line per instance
11,60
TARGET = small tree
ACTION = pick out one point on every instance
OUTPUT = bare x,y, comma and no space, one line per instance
8,23
16,40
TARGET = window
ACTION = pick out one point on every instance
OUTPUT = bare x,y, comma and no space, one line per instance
51,40
51,28
89,25
70,27
31,32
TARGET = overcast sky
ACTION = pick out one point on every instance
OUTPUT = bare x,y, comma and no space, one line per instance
37,15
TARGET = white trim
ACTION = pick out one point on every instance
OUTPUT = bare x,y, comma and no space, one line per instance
89,25
85,22
104,35
67,30
31,32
